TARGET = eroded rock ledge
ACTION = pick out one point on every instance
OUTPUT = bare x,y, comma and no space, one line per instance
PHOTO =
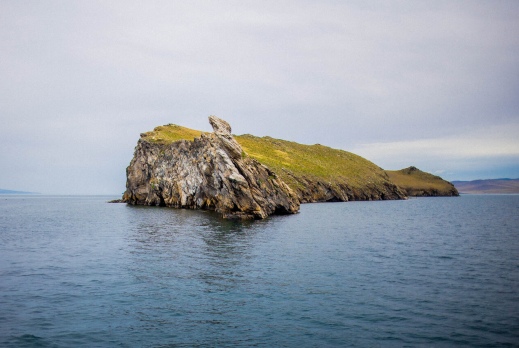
211,172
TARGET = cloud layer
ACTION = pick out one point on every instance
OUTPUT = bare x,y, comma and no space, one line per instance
430,84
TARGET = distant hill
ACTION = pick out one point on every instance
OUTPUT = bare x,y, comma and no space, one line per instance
11,192
417,183
495,186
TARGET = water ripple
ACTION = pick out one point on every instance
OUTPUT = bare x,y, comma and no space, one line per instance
75,271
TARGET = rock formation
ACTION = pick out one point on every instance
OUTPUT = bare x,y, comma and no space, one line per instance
210,172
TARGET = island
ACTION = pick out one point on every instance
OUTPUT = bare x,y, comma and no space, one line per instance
247,177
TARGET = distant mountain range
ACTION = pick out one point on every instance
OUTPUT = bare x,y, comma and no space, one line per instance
11,192
501,186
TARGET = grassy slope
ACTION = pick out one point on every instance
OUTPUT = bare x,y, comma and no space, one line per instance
310,161
315,162
415,182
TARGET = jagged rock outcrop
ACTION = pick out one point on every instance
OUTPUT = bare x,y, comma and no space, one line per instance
210,172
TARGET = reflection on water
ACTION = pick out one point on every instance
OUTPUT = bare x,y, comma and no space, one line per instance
192,262
176,238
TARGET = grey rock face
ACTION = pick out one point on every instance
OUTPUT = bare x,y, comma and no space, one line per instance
210,172
311,191
222,130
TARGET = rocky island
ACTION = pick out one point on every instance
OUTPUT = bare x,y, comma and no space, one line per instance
247,177
208,172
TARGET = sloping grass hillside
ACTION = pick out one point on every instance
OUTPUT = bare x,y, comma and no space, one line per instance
418,183
313,162
291,160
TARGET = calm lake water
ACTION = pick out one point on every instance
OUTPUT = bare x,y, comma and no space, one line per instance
78,272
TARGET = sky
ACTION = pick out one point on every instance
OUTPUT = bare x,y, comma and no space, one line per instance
433,84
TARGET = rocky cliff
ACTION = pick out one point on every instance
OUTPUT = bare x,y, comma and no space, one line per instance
208,172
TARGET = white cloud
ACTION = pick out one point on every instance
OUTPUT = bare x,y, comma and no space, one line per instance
391,75
490,146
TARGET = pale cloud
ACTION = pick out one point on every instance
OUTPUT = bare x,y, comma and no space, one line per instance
441,147
439,77
460,152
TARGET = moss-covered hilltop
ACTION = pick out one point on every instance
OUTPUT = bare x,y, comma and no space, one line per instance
315,173
421,184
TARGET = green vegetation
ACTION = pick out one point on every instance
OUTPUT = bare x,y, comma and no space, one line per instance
314,162
171,133
293,162
418,183
286,158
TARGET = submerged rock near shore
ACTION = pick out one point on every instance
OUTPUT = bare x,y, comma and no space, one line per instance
210,172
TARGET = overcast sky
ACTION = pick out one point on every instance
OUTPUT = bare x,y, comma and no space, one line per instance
434,84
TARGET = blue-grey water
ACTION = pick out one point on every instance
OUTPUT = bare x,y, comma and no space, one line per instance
79,272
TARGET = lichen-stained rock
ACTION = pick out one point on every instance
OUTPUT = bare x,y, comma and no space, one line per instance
210,172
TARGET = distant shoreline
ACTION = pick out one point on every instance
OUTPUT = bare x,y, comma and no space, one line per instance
488,186
12,192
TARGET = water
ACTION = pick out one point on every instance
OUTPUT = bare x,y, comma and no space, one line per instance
78,272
